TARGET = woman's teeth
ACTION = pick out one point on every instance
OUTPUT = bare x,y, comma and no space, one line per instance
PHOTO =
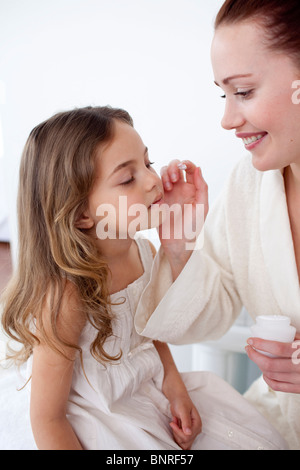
250,140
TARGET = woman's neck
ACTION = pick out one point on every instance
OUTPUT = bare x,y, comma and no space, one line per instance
292,178
292,190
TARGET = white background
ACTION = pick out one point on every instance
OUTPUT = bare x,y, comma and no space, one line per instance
151,57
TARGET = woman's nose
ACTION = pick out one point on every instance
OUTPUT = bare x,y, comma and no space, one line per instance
232,118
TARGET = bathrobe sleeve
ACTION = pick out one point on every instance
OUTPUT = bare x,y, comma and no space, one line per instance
248,259
203,302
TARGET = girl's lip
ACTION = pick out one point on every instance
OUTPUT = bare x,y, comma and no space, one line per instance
157,201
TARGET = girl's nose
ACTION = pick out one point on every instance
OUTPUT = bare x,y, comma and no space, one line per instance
232,118
151,180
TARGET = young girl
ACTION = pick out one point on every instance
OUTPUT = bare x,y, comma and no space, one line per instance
251,255
95,383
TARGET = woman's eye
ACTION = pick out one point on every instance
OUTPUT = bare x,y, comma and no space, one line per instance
149,164
244,94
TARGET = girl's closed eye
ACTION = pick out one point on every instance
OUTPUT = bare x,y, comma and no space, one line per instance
129,181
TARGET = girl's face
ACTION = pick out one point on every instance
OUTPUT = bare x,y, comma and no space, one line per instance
127,190
258,87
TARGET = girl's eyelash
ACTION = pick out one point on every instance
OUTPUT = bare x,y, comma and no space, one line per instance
128,182
148,165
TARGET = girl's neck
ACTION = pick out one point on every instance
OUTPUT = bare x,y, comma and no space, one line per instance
123,260
113,251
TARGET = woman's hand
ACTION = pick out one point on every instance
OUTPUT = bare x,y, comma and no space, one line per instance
282,372
189,195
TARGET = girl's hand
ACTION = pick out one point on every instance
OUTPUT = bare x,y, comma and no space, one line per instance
281,373
186,423
190,195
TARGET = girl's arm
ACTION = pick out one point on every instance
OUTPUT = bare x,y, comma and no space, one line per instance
186,423
51,381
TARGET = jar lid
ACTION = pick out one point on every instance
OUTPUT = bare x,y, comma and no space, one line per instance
275,320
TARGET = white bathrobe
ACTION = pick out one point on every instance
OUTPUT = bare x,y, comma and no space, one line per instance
248,260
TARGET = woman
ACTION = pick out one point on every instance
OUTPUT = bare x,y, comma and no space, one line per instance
251,252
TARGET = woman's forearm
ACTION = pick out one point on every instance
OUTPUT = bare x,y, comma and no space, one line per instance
178,262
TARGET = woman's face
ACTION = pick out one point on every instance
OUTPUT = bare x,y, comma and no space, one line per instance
258,87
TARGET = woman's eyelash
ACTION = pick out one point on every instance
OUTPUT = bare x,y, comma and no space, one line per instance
244,94
149,164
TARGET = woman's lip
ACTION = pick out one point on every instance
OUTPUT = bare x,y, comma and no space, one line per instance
251,140
243,135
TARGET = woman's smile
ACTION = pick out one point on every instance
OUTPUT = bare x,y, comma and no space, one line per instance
251,140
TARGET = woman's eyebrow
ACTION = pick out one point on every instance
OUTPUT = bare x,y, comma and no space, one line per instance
228,79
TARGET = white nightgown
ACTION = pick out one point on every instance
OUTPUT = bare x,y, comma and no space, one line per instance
120,406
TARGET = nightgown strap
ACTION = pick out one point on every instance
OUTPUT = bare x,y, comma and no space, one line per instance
146,253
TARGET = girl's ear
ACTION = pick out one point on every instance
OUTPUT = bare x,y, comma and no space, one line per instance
84,221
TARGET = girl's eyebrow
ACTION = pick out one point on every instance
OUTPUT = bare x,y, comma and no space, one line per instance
122,165
125,164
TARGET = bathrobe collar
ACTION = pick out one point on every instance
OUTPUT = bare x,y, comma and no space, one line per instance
277,243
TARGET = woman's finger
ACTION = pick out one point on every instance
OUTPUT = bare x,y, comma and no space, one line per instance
201,189
168,186
189,169
284,387
275,348
172,173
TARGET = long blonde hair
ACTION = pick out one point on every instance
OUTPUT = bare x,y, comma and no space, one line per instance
57,173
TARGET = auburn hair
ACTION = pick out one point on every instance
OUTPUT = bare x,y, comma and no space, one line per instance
280,19
57,172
